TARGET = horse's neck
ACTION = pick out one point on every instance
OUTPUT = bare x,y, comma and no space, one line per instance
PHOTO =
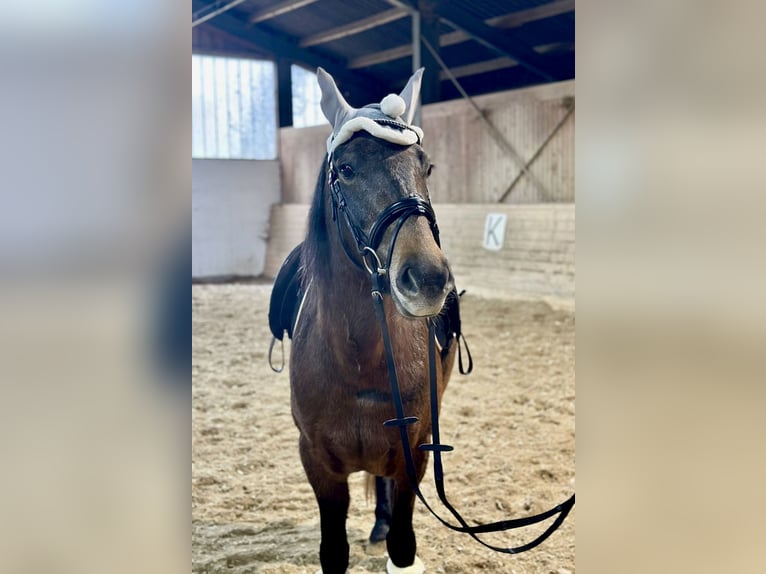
344,311
347,308
347,321
345,290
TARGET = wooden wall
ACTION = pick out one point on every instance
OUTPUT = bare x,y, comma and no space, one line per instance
470,165
536,260
301,152
472,172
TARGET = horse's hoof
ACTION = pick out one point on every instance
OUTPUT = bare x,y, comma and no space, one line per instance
416,567
379,531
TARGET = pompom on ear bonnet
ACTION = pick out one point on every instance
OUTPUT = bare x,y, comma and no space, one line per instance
390,120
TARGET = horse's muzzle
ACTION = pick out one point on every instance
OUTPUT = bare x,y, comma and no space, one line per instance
420,287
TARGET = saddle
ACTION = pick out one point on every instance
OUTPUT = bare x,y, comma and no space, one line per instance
287,294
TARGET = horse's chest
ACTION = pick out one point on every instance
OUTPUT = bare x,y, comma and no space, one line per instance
361,443
342,396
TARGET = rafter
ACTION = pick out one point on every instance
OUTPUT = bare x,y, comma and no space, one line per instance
278,9
549,10
354,27
499,63
360,85
495,39
507,21
479,68
213,10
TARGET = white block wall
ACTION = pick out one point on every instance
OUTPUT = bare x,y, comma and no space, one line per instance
231,201
536,260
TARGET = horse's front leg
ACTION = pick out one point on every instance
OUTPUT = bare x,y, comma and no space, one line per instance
333,508
384,501
331,492
400,541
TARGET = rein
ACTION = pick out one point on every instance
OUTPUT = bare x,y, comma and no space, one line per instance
437,448
397,213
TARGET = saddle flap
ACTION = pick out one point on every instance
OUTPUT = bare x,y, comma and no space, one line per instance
286,295
447,328
447,323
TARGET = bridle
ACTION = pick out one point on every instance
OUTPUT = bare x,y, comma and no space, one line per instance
367,244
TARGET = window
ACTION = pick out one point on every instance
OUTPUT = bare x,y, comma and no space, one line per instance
306,98
233,108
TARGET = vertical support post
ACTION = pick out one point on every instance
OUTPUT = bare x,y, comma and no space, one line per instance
415,41
430,90
284,93
416,58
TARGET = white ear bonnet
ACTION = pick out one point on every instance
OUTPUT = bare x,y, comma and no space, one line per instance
390,120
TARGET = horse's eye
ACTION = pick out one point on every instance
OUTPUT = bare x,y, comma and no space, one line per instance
430,169
346,171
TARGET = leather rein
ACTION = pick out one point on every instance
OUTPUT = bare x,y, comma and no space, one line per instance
367,243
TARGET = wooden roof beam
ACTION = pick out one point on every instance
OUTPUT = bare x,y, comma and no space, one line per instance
495,39
361,87
549,10
507,21
213,10
479,68
277,10
354,27
498,63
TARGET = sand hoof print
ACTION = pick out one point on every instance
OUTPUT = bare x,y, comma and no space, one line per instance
416,567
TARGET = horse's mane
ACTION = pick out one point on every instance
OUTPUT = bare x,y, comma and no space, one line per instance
315,256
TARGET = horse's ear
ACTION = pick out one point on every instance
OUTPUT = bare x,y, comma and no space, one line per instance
334,106
410,95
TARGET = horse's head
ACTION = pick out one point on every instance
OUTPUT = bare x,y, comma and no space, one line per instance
379,173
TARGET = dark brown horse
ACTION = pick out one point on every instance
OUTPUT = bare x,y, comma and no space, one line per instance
338,374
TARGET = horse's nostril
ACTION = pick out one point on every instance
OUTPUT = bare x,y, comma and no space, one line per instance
428,281
407,281
437,281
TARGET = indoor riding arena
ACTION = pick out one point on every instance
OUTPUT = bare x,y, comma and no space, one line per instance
498,122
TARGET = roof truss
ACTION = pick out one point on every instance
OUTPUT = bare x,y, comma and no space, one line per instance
358,84
508,21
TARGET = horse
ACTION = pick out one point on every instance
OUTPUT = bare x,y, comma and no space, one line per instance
371,209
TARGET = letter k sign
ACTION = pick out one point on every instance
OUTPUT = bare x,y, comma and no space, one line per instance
494,231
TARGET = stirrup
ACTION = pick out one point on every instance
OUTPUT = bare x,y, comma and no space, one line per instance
271,350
